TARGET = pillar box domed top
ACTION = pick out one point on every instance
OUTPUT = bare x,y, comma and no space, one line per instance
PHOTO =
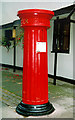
35,17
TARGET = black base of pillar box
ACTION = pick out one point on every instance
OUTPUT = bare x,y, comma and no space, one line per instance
34,110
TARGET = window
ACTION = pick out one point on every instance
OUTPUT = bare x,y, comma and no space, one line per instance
8,34
61,36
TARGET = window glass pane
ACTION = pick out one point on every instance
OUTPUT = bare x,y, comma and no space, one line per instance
66,29
65,45
8,34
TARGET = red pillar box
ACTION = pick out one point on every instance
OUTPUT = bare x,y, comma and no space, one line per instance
35,63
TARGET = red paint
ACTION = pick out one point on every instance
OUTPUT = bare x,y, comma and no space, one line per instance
16,74
35,64
6,68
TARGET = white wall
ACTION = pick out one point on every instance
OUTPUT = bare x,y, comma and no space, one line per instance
19,56
0,46
50,55
64,61
74,47
8,57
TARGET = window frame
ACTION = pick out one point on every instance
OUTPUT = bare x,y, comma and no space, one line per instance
54,46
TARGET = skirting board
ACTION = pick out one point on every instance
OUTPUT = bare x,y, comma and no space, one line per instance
72,81
62,79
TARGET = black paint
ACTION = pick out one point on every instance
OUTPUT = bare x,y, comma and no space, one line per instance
55,68
34,110
14,61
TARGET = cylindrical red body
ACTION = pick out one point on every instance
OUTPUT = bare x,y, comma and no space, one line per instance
35,64
35,73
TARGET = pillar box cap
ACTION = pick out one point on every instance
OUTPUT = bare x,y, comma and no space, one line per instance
35,17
